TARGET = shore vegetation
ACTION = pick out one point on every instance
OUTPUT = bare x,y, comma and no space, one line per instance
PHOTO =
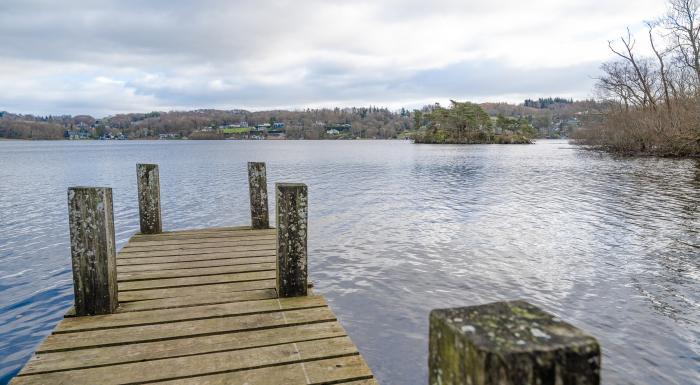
469,123
653,102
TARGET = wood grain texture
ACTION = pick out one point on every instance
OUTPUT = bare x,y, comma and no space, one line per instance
93,250
148,182
292,220
257,186
125,319
146,267
189,366
140,295
110,355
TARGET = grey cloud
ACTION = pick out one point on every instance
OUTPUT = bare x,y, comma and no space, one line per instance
254,54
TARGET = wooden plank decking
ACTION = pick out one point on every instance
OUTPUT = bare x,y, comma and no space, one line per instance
200,307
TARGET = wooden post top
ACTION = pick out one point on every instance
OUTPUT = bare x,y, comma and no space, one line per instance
512,327
509,343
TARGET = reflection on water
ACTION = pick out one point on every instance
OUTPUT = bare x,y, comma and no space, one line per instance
611,245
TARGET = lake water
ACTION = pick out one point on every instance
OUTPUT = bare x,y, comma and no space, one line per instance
396,229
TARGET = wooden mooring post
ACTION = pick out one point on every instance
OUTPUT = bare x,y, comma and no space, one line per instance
148,182
257,184
292,218
509,343
93,250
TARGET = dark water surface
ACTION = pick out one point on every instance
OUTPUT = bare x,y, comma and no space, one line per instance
611,245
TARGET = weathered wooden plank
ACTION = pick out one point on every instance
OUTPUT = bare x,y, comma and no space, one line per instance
340,370
93,250
369,381
207,298
110,355
202,239
195,257
77,324
140,295
257,188
192,281
256,245
192,272
353,367
292,218
148,182
257,240
189,366
137,334
190,234
193,264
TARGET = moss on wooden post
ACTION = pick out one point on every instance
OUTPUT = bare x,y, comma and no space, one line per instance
509,343
257,182
292,218
149,198
93,250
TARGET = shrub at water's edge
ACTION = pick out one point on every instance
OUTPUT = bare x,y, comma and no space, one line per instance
653,102
647,132
468,123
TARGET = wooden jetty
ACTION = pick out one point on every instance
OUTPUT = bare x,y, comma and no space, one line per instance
197,306
233,306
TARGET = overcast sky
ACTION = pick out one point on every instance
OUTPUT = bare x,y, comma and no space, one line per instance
105,57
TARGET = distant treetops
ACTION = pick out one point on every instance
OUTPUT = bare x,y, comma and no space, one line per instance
468,123
546,102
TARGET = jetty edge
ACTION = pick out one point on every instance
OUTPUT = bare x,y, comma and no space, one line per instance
233,305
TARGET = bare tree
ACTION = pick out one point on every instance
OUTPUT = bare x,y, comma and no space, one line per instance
642,77
683,22
665,81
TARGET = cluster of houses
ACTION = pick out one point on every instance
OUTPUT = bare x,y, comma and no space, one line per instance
82,131
276,130
273,130
83,134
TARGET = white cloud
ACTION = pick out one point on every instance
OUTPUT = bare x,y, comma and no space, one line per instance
115,56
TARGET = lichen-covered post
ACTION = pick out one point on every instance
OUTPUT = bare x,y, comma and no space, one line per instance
292,218
257,182
509,343
93,250
149,198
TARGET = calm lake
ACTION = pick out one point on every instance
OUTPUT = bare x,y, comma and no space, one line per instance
396,229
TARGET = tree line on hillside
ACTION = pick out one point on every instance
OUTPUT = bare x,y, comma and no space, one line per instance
546,102
357,122
654,101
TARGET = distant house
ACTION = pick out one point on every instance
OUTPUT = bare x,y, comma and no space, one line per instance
277,125
332,131
76,135
341,127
